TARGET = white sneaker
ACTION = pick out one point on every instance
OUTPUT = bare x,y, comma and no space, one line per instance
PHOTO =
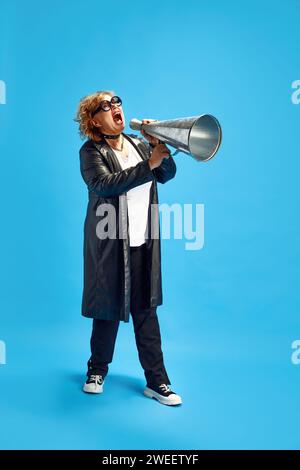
163,394
94,384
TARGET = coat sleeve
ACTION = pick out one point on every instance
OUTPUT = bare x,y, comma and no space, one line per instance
100,180
166,170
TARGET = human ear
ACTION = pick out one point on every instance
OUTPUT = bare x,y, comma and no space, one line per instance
96,124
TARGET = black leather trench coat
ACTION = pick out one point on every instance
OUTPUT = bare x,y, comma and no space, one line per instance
106,291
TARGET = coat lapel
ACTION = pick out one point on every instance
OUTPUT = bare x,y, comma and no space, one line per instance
138,145
110,156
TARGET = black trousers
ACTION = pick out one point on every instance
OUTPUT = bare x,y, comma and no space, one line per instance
146,328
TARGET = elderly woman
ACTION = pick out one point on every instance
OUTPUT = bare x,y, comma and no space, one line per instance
122,265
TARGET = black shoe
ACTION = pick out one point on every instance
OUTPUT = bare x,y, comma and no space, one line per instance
163,394
94,384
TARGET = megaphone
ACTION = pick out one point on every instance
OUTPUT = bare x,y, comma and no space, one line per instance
198,136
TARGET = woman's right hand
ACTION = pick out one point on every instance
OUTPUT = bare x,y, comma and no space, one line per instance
159,152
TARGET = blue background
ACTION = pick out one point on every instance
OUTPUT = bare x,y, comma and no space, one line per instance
231,310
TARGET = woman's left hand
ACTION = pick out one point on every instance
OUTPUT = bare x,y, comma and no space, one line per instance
150,138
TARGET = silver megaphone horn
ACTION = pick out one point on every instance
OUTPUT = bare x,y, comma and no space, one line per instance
199,136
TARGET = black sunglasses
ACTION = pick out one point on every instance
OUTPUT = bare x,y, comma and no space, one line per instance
106,105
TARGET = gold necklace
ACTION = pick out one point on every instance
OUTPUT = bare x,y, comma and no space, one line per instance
124,157
122,145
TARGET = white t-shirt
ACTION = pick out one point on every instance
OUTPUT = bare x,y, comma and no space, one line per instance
138,199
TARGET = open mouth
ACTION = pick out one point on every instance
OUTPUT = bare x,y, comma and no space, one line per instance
117,117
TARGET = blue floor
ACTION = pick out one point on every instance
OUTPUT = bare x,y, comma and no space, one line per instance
233,398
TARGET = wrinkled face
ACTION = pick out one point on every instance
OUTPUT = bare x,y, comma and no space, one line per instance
112,121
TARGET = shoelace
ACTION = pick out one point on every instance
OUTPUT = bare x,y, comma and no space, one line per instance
165,388
97,379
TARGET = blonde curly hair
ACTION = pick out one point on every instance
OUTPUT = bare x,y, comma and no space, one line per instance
87,106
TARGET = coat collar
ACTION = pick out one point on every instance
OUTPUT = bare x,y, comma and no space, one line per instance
106,150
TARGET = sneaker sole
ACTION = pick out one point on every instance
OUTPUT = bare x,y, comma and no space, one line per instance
96,392
163,400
